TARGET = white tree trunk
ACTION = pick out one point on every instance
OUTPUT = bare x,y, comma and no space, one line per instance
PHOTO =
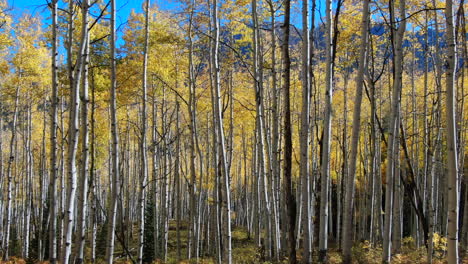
112,212
53,142
73,131
143,155
394,125
325,176
84,170
9,209
221,139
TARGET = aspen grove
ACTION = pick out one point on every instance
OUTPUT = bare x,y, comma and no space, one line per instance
233,131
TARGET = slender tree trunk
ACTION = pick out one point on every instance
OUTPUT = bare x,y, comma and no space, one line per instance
164,185
304,136
452,163
84,170
325,176
221,140
112,212
73,140
143,155
53,142
275,175
349,200
177,185
290,201
394,124
9,209
192,240
93,175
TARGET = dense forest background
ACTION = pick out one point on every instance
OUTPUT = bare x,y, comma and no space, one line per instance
234,131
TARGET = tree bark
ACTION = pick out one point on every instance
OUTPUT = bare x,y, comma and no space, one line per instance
53,142
9,177
289,199
224,170
112,212
349,200
394,124
73,131
84,170
304,135
452,163
326,141
143,154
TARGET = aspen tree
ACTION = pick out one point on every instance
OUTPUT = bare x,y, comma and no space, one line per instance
289,199
11,158
73,131
84,170
452,163
112,211
394,125
304,135
192,239
275,167
349,200
224,170
326,141
143,155
53,142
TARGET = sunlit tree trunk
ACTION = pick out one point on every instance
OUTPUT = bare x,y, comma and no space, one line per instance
260,130
9,177
143,155
163,229
73,132
84,170
224,170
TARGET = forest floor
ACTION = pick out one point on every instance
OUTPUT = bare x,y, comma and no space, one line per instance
245,251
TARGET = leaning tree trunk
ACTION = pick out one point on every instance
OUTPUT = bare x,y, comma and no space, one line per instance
349,201
394,125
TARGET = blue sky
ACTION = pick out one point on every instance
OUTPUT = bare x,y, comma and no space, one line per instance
124,7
